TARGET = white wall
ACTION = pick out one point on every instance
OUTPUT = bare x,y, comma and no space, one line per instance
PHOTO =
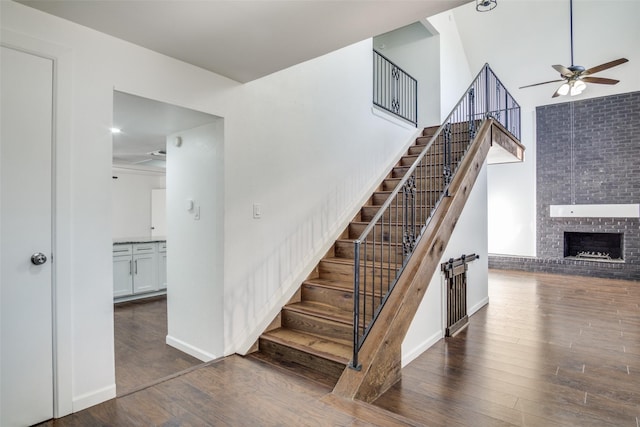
303,142
131,202
195,261
455,74
417,52
469,236
307,147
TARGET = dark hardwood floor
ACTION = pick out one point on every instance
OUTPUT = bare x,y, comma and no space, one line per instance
548,350
142,356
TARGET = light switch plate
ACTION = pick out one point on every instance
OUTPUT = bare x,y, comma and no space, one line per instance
257,210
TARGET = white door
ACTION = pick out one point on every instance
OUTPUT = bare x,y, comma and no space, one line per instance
159,212
26,359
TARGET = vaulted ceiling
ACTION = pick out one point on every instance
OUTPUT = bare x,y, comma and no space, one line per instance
243,39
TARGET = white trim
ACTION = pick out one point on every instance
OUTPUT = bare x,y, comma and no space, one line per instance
384,114
421,348
190,350
133,170
139,296
472,310
89,399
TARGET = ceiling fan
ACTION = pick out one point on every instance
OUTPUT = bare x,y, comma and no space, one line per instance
575,77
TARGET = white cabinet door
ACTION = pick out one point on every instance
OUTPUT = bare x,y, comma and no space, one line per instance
122,276
144,273
162,266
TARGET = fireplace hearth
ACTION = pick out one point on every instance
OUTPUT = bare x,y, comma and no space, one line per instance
599,247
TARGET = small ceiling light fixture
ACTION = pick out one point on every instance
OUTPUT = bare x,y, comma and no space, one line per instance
115,130
572,87
486,5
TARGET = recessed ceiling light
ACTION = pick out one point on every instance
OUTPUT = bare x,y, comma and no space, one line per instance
116,130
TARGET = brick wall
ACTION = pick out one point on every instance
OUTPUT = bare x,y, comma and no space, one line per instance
601,166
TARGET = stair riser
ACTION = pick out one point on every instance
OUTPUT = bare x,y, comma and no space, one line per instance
429,183
380,233
430,130
379,252
334,297
394,215
428,170
434,159
415,149
282,353
316,325
344,272
421,197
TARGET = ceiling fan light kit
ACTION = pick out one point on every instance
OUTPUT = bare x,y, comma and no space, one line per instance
576,77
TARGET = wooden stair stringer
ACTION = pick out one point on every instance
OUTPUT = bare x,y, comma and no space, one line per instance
380,355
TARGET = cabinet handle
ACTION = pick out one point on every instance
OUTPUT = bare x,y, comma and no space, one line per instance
130,268
136,266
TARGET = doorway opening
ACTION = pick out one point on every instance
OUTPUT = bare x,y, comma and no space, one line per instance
143,236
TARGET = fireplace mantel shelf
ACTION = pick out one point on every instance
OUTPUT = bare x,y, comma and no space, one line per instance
631,210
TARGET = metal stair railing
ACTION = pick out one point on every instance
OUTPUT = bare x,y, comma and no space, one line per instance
383,249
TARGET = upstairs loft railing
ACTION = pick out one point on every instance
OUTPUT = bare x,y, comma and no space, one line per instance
387,243
394,90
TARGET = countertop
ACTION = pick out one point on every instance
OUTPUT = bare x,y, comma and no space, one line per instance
131,240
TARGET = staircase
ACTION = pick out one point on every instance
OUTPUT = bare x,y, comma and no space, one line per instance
314,332
389,253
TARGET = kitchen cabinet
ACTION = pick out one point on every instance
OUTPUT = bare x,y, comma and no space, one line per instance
122,270
137,269
145,268
162,265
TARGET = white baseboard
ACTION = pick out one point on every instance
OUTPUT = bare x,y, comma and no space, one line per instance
189,349
421,348
478,306
89,399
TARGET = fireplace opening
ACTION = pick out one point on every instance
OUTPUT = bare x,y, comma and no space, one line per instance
603,247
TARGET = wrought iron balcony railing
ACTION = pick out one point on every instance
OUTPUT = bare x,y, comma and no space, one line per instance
394,90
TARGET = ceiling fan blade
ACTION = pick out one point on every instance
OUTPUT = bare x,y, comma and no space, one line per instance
563,70
605,66
600,80
556,93
543,83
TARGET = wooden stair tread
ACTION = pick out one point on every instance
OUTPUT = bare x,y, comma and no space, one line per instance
324,311
308,343
347,240
332,284
338,286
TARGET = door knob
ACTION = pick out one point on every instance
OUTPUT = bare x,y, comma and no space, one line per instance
38,258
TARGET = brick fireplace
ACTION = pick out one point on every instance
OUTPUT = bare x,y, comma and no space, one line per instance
587,154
